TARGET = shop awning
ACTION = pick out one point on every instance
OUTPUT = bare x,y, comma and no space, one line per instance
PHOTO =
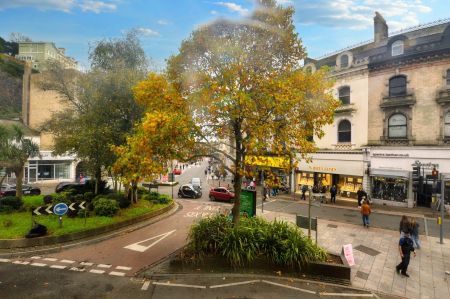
389,173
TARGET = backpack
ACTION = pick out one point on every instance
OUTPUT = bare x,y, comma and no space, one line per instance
408,245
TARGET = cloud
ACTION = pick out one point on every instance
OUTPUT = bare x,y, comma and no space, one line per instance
163,22
147,32
61,5
213,12
285,2
358,14
234,7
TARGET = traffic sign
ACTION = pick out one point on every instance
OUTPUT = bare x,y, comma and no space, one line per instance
60,209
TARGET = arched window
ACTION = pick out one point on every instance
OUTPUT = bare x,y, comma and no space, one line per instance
344,95
345,131
447,125
397,86
448,78
397,48
344,61
397,126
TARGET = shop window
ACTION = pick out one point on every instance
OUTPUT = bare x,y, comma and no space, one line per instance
393,189
447,125
344,95
344,61
345,131
397,86
397,48
397,126
348,186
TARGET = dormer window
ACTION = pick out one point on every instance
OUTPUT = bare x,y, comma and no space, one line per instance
397,48
344,61
344,95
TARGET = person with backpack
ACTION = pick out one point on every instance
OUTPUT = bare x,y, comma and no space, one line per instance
405,246
333,192
304,189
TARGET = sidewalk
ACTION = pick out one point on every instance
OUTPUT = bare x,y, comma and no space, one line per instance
376,255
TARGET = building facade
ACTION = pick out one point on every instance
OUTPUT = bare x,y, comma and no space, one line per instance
38,53
395,110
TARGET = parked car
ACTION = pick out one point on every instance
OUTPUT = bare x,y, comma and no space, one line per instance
177,171
80,188
221,193
189,191
196,182
10,190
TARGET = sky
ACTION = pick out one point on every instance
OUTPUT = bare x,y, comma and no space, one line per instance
323,25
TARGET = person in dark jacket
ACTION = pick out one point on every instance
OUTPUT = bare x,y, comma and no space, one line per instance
406,246
333,192
405,226
362,195
304,189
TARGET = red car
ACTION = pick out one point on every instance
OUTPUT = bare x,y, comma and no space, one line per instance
221,193
177,171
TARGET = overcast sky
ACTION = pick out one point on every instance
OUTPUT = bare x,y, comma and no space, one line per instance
323,25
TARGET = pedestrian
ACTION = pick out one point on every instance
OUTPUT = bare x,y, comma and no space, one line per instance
405,226
405,246
362,195
206,172
304,189
415,232
365,212
264,193
333,192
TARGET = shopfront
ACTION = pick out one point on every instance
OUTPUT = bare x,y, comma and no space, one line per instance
390,185
50,168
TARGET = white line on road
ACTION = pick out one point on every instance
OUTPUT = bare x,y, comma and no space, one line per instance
179,285
346,295
51,259
5,260
86,264
116,273
289,287
38,264
58,267
145,285
233,284
104,266
141,248
97,271
123,268
77,269
21,263
67,261
35,257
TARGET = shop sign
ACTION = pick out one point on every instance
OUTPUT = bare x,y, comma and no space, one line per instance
347,251
321,169
390,155
268,161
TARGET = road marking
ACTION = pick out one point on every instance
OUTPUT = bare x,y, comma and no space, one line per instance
179,285
67,261
77,269
21,263
86,264
116,273
346,295
58,267
426,225
288,287
35,257
51,259
123,268
5,260
145,285
104,266
38,264
97,271
376,296
233,284
142,248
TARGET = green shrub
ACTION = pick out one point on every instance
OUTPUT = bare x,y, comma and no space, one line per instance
78,197
105,207
164,199
152,196
89,196
6,209
64,197
123,201
48,199
278,242
141,191
12,201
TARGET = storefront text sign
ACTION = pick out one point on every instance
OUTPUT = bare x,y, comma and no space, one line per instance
320,168
348,253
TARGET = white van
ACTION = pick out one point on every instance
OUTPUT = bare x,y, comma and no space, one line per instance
196,182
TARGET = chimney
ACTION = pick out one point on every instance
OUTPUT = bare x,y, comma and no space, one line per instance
380,28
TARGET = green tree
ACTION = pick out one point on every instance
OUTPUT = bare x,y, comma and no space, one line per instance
100,108
15,149
247,92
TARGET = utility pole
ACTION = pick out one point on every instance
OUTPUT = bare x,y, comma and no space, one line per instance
442,199
309,214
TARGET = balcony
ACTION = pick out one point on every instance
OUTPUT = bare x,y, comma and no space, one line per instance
443,97
345,108
343,146
398,101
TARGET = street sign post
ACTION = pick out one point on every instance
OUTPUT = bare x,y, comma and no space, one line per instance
60,209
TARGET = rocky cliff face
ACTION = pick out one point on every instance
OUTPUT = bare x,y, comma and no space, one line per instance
11,73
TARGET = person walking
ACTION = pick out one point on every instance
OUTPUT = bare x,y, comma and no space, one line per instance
415,232
333,192
304,189
362,195
405,226
405,246
206,172
365,212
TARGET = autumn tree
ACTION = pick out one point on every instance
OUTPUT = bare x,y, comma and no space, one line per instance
245,90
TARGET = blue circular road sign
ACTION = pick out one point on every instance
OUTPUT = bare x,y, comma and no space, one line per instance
60,209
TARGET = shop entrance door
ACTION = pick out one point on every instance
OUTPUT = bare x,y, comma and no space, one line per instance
424,197
32,171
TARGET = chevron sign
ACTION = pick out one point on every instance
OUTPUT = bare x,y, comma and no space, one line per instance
48,210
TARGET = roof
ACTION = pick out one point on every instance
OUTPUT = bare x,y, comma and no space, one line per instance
26,130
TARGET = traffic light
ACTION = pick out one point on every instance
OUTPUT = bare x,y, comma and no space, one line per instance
416,178
416,171
434,172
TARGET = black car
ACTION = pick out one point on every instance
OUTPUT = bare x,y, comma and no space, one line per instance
80,188
189,191
10,190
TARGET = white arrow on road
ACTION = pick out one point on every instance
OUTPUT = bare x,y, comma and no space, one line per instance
36,211
71,206
49,209
142,248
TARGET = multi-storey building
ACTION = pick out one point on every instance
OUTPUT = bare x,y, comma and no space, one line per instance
395,95
38,53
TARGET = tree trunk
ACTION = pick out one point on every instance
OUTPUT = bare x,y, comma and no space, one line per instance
134,192
3,178
19,180
98,179
238,167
